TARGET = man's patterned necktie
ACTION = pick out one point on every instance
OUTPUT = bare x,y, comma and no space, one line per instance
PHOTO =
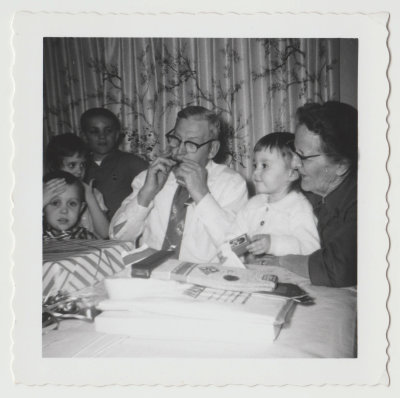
176,224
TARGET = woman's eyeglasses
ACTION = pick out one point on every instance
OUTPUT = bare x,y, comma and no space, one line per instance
190,146
301,157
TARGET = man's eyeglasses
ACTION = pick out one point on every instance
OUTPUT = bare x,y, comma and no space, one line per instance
190,146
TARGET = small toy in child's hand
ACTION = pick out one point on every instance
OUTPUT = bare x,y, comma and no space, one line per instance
239,244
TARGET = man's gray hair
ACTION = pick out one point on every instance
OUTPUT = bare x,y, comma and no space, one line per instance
201,113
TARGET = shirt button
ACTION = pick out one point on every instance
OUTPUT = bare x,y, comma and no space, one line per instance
262,222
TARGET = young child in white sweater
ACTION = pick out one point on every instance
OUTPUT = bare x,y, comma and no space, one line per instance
279,220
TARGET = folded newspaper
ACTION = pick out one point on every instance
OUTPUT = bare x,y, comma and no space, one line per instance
157,309
216,276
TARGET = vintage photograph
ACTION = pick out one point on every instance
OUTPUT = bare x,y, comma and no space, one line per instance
200,197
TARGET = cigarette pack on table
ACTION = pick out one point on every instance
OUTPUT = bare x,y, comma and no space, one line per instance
76,264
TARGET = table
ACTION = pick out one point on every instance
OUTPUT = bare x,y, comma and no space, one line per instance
326,329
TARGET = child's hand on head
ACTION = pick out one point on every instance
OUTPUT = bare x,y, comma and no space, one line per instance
260,244
53,188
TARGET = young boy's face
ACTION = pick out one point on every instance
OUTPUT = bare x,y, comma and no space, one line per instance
75,165
101,135
63,211
273,174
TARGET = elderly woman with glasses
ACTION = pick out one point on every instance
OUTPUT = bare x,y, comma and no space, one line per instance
326,151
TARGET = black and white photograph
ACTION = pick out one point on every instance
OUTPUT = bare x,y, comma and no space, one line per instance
166,150
202,200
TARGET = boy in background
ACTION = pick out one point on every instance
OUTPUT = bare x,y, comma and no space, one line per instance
63,203
111,169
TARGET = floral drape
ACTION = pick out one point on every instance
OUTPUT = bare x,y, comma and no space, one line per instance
255,85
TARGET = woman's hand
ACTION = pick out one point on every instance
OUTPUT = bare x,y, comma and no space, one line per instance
53,188
260,244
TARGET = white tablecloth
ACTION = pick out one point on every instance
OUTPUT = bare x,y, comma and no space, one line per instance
326,329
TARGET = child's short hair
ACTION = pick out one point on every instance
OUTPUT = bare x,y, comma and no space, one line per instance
283,142
93,112
61,146
69,180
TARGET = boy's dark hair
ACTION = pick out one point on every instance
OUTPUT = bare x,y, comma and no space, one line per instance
69,179
337,125
61,146
283,143
201,113
93,112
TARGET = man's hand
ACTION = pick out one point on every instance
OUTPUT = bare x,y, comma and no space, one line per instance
157,175
53,188
260,244
194,177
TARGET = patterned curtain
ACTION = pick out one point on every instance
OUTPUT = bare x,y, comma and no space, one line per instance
255,85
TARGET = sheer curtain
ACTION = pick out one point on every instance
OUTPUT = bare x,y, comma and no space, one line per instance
255,85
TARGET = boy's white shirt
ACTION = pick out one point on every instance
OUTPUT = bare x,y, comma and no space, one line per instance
206,223
290,222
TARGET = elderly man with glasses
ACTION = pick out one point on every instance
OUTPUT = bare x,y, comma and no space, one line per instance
184,201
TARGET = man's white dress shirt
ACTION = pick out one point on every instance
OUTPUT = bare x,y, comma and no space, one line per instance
206,223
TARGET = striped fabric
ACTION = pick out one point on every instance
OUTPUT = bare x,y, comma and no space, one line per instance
75,264
75,233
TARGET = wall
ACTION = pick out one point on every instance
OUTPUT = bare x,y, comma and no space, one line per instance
348,71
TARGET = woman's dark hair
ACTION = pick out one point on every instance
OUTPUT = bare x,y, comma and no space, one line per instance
282,142
337,125
94,112
61,146
69,180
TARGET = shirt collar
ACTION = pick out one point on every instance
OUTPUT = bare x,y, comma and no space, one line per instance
55,233
338,196
111,155
285,202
